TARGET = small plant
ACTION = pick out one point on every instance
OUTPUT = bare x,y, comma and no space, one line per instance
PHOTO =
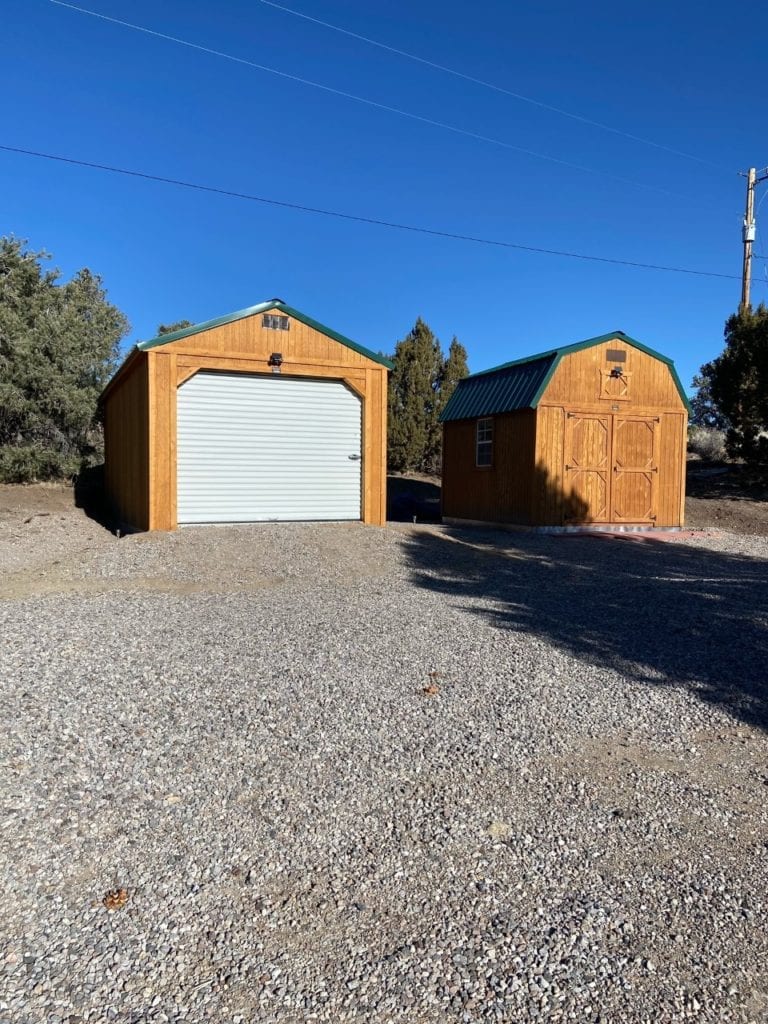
28,463
708,443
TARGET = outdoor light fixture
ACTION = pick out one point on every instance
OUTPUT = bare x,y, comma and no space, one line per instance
617,372
276,361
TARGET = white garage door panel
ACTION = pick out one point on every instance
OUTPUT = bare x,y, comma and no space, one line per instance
252,449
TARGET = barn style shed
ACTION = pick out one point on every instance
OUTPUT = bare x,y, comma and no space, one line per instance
593,432
261,415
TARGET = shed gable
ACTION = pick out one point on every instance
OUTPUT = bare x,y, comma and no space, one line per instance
264,329
615,371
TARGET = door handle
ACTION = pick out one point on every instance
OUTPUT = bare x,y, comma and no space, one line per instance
354,458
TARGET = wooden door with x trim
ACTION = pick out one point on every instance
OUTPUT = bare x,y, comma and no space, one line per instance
587,475
610,468
635,477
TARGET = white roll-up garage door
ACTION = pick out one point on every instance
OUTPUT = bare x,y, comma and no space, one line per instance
255,449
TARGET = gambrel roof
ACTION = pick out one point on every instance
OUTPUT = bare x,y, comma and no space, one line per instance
521,383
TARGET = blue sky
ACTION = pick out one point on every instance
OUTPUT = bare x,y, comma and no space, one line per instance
685,76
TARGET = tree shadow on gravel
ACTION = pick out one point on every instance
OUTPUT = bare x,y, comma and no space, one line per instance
660,612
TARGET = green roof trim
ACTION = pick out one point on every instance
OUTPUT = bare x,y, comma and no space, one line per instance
264,307
532,372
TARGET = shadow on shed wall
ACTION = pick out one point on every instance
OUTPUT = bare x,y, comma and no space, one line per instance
552,505
513,492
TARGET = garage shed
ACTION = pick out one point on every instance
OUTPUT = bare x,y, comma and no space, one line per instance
258,416
593,432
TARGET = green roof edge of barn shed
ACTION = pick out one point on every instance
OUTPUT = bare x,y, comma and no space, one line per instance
456,409
264,307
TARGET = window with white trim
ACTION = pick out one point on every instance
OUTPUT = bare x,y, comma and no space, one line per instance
484,442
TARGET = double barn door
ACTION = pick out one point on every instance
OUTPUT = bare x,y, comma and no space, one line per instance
611,471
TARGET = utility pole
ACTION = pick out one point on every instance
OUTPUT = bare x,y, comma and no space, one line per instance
748,235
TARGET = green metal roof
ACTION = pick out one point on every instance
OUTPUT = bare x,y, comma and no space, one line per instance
521,383
263,307
508,388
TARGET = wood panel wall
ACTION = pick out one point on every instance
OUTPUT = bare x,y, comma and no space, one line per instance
501,493
672,456
549,502
577,381
126,444
244,346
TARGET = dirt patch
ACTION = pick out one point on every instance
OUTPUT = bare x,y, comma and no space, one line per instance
41,531
732,514
17,501
727,496
23,585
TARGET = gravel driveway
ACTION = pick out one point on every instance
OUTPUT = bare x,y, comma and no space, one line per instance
413,775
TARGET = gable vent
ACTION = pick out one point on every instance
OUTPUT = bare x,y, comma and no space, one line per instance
274,323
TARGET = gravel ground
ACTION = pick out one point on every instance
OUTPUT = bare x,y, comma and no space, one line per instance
410,775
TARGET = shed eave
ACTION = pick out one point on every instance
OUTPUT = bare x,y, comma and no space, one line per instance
576,346
122,368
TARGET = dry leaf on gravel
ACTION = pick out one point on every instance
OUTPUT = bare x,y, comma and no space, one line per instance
115,899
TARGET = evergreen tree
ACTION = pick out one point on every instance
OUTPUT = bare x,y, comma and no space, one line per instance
420,385
179,325
59,345
705,412
413,430
738,382
455,368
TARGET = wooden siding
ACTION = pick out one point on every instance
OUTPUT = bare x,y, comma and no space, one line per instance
375,446
162,432
502,492
579,381
672,455
244,346
549,498
126,444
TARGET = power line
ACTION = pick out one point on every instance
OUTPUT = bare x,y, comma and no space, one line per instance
489,85
374,103
360,219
